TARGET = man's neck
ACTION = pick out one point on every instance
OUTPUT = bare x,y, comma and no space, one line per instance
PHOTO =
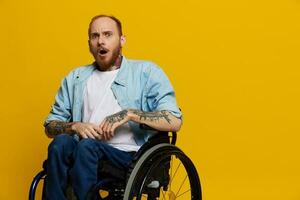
115,66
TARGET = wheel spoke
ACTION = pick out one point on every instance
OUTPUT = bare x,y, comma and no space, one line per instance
145,196
181,185
172,178
163,192
171,167
183,193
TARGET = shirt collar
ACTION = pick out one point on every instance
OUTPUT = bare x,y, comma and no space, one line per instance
121,78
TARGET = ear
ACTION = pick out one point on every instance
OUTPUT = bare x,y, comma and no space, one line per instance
122,40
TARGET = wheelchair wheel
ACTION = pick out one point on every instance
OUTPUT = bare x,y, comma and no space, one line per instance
163,172
38,182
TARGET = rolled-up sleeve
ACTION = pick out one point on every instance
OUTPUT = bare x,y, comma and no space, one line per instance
160,93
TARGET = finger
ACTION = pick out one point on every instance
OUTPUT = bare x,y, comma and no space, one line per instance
83,135
106,135
104,125
115,126
103,133
100,137
92,129
95,133
109,130
101,124
89,134
113,129
105,130
97,129
100,131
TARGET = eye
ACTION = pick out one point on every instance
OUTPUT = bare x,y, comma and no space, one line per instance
94,36
107,34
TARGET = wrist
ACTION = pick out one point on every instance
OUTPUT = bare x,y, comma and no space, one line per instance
73,127
131,115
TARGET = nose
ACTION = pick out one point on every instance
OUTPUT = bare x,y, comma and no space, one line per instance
100,40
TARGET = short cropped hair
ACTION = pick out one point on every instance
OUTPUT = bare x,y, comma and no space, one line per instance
118,22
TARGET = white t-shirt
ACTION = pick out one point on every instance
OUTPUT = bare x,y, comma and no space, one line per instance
99,102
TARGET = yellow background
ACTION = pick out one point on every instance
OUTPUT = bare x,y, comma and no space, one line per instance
234,65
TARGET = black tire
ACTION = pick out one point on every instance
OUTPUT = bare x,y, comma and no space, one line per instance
36,181
150,164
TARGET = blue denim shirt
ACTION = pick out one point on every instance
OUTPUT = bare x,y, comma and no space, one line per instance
139,85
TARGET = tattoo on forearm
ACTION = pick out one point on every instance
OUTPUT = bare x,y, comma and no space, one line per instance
153,116
117,117
58,127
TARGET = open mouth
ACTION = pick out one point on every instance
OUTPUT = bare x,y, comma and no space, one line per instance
102,52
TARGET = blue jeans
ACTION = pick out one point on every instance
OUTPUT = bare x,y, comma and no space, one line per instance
70,160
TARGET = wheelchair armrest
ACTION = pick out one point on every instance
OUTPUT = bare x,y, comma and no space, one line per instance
173,136
160,137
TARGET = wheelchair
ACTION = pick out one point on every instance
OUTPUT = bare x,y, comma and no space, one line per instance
159,170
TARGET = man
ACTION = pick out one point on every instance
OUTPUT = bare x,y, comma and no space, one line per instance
98,109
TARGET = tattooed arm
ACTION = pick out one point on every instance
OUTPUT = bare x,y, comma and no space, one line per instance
160,120
57,127
84,130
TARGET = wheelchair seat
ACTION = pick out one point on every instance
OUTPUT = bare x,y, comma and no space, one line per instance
159,170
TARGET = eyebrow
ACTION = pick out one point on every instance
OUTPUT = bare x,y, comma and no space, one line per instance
97,33
94,33
107,31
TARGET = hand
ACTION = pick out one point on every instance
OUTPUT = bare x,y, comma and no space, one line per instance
110,123
87,130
